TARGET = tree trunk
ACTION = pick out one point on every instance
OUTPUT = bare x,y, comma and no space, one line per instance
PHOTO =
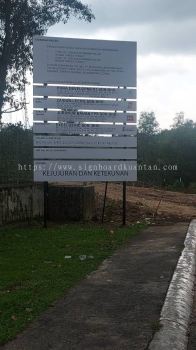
3,74
5,55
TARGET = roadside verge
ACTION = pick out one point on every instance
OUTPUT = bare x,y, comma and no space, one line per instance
176,311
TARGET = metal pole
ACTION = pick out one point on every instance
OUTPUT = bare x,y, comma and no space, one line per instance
124,190
124,203
45,183
45,203
104,201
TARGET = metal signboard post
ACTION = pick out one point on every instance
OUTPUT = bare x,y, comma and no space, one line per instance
84,111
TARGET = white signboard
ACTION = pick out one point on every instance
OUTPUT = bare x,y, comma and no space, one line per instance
77,91
84,62
77,129
84,153
84,110
100,170
84,141
64,116
74,104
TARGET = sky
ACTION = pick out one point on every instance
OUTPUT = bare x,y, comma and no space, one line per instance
165,31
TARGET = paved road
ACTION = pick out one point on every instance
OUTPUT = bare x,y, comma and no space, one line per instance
118,306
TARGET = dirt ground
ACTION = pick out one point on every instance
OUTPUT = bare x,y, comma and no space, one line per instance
146,203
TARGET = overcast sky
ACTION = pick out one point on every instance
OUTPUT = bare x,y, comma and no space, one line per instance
165,31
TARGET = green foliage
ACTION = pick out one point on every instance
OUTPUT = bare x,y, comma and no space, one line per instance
178,120
34,271
192,187
174,147
19,21
148,124
16,148
176,186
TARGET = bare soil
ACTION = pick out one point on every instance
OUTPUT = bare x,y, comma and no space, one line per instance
146,203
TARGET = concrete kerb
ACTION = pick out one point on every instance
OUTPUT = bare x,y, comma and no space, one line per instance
176,311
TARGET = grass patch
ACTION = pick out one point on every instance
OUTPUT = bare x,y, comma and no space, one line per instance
35,273
156,326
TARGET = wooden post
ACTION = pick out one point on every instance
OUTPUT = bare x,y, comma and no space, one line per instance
104,201
45,203
124,192
45,183
124,203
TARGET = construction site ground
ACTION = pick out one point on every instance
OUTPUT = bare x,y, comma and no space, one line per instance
151,204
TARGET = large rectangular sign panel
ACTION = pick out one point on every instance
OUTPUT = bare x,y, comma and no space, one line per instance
84,153
64,116
78,129
81,170
77,91
84,141
84,62
84,110
74,104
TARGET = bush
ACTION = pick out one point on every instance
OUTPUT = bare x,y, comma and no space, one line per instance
192,187
176,186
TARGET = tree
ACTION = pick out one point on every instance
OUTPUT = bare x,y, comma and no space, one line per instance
16,149
148,124
19,21
178,120
189,123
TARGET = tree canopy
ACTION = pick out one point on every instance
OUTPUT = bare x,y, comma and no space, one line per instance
19,21
148,124
178,120
169,155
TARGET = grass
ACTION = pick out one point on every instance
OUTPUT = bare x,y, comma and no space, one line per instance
34,272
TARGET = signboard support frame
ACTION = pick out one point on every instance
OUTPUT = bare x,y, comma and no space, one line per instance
124,216
45,203
124,203
45,184
104,201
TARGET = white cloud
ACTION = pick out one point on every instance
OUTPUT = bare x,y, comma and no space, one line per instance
165,38
167,85
158,26
112,12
